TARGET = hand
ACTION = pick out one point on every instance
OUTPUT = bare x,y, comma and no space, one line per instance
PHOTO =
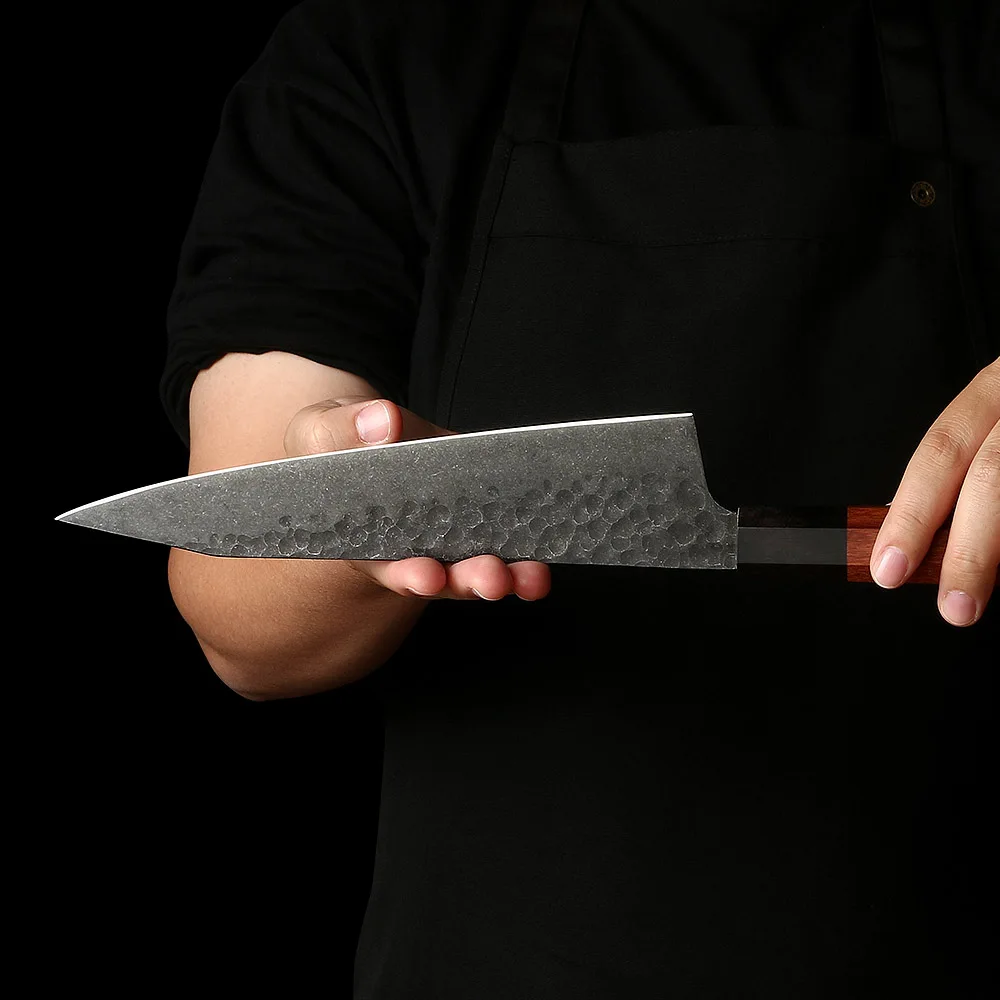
959,457
336,425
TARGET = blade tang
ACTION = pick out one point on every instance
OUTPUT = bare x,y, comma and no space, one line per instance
792,536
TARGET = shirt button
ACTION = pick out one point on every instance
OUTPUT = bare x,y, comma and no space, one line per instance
923,194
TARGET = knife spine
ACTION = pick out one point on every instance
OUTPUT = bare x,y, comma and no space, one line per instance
442,438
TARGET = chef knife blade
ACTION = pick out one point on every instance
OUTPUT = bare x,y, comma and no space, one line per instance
612,491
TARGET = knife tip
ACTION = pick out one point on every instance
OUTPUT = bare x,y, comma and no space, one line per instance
70,516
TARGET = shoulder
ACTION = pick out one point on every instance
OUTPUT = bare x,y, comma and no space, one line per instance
429,78
384,34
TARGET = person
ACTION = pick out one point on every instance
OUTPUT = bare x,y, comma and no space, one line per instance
612,781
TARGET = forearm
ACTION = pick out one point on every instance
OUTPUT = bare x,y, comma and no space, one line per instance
279,628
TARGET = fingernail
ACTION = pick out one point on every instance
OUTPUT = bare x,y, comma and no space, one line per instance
476,592
959,608
891,568
416,593
373,423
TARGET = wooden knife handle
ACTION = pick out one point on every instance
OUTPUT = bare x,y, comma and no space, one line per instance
863,525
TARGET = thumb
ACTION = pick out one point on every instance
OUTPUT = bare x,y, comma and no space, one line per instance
353,422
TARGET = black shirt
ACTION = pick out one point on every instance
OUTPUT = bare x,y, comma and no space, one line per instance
354,150
598,803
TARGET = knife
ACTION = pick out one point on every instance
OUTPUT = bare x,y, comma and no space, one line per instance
615,491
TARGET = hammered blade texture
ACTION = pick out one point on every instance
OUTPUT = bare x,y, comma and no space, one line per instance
620,491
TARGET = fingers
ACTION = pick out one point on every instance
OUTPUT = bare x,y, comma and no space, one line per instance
353,422
420,576
969,568
358,421
532,580
484,577
955,468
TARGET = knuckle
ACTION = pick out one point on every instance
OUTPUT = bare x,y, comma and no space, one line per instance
911,520
987,387
985,471
293,434
965,560
320,436
943,447
301,431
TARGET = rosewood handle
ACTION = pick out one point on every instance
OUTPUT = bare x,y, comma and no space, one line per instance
863,525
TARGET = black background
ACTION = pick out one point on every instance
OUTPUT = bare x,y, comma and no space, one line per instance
194,836
183,835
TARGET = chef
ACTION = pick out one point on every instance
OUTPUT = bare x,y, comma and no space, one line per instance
623,782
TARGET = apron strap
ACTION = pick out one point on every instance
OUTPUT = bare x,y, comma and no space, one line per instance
538,87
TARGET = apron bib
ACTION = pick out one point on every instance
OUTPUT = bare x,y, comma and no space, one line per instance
798,291
679,783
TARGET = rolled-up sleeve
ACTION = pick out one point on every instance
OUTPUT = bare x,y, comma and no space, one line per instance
303,236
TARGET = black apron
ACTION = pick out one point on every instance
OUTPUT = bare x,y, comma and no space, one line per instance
699,784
